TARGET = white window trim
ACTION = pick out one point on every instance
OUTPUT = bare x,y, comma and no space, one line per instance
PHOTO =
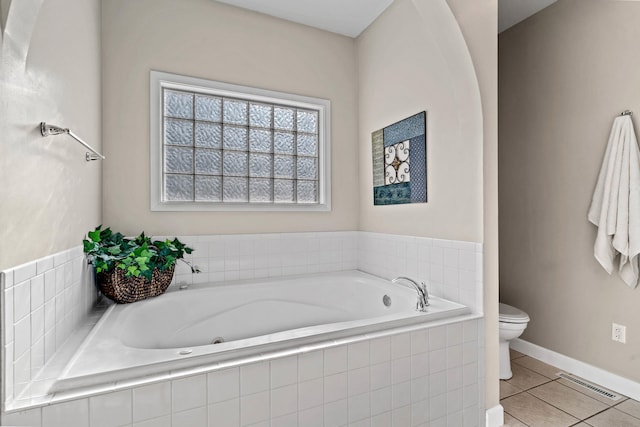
160,80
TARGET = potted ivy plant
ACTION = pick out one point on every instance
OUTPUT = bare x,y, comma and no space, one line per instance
130,270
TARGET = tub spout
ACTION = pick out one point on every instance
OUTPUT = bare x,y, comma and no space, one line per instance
423,295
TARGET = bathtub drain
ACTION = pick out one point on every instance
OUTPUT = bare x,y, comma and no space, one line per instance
217,340
386,300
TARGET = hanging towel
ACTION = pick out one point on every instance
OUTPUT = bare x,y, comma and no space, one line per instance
615,205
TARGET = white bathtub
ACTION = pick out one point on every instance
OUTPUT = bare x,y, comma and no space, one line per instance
175,331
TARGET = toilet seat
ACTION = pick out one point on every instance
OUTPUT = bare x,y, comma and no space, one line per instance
509,314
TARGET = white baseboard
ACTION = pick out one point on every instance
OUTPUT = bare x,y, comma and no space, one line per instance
495,416
596,375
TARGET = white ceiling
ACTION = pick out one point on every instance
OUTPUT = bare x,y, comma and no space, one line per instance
346,17
352,17
510,12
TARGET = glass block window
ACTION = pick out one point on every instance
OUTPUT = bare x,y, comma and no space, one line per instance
241,149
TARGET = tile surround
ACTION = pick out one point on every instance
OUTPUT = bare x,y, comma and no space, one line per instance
395,377
456,276
43,302
360,393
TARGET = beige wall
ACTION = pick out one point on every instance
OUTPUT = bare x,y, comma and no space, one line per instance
206,39
413,58
49,71
478,22
564,74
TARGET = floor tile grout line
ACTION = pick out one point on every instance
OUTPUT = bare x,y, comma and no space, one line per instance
613,405
574,416
597,413
550,404
537,372
624,412
513,416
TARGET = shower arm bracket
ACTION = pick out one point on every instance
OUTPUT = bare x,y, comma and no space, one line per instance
47,130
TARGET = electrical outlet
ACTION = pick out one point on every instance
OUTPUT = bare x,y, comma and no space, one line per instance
619,333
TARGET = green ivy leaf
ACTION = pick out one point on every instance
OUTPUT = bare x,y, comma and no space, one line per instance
95,235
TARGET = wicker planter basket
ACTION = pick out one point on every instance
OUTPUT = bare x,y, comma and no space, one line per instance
115,286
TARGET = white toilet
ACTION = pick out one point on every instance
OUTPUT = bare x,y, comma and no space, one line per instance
513,322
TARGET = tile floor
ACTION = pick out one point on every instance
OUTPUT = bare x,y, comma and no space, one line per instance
536,397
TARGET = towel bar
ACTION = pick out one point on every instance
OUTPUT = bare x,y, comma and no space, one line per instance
47,130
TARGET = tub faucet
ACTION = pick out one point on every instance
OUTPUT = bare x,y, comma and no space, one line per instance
423,295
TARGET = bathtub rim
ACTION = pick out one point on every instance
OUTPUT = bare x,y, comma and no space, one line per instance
18,405
67,383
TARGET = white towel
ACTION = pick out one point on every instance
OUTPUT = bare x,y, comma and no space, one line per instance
615,205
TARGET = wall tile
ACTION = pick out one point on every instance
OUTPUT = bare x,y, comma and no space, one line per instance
284,400
419,413
22,337
380,350
37,324
336,413
437,407
225,414
437,338
37,357
400,394
419,365
30,417
358,381
419,341
401,416
190,417
335,387
188,393
21,300
419,389
6,277
358,355
284,371
380,401
254,408
454,356
313,417
223,385
49,284
469,352
111,409
254,378
382,420
310,393
359,407
290,420
72,413
24,272
380,375
335,360
37,291
400,346
400,370
151,401
310,365
8,322
454,378
7,380
437,383
155,422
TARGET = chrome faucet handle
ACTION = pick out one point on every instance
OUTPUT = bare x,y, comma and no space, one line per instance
425,294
